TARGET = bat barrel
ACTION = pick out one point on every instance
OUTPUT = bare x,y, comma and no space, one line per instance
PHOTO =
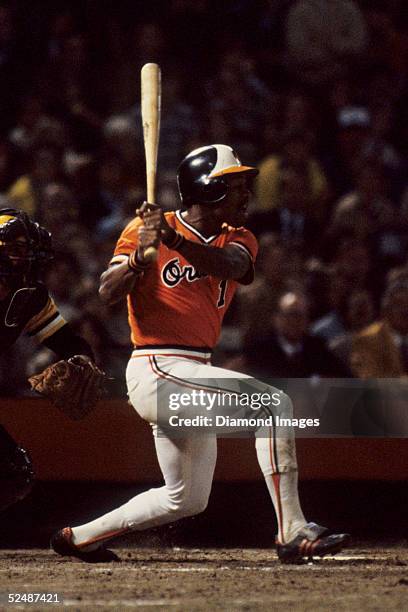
150,78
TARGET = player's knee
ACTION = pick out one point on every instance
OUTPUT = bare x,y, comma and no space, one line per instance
184,504
177,500
193,507
197,505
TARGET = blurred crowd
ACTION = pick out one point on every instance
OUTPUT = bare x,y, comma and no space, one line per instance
314,93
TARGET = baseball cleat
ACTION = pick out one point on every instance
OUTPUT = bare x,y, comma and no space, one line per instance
312,541
61,543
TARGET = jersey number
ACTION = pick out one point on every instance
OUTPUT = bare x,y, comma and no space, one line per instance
223,290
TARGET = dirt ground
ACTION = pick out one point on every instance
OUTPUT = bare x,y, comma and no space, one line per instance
363,578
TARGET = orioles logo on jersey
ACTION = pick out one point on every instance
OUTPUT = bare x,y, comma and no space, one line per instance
173,273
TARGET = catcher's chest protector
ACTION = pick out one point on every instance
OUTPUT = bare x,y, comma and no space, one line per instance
17,310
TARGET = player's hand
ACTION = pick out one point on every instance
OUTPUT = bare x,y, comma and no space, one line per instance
147,237
148,234
153,217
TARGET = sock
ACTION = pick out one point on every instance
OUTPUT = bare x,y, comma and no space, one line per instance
285,498
277,460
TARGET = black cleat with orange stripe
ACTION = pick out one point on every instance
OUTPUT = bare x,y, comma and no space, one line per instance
312,541
61,543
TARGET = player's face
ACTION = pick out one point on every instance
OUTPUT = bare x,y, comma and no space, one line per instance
15,250
235,204
14,258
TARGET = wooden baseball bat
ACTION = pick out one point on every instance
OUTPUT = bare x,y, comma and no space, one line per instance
150,79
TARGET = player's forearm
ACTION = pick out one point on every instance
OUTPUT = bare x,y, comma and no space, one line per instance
116,282
214,261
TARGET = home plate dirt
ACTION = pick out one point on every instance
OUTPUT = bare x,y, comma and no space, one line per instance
366,578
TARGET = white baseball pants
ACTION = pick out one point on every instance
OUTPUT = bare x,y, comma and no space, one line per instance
187,463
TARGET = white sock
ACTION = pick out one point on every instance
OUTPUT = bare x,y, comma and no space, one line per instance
277,460
285,498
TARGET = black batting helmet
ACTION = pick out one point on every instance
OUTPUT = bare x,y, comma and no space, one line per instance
25,246
200,175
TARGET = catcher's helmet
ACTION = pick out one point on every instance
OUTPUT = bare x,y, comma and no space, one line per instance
25,246
200,175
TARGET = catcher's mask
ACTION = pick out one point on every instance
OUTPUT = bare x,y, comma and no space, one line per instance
25,247
200,175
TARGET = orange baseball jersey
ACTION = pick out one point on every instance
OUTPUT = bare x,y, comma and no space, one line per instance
172,304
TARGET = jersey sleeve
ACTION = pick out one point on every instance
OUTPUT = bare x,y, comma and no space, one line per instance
246,241
46,319
127,242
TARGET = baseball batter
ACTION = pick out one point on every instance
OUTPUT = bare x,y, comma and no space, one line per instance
176,306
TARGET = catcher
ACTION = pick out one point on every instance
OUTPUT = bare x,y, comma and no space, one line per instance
75,383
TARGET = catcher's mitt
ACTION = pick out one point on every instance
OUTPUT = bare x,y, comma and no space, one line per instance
74,386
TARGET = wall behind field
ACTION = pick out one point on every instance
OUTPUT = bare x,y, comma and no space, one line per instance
114,444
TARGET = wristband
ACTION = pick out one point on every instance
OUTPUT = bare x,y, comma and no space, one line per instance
135,264
176,242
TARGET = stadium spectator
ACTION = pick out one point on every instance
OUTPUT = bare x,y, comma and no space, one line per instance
286,349
230,118
381,349
34,125
258,300
324,39
351,137
359,313
351,262
45,166
368,213
292,219
297,154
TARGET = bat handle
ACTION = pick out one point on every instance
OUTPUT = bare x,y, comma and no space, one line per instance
150,254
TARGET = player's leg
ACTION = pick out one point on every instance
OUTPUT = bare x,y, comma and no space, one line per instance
187,465
276,452
296,539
